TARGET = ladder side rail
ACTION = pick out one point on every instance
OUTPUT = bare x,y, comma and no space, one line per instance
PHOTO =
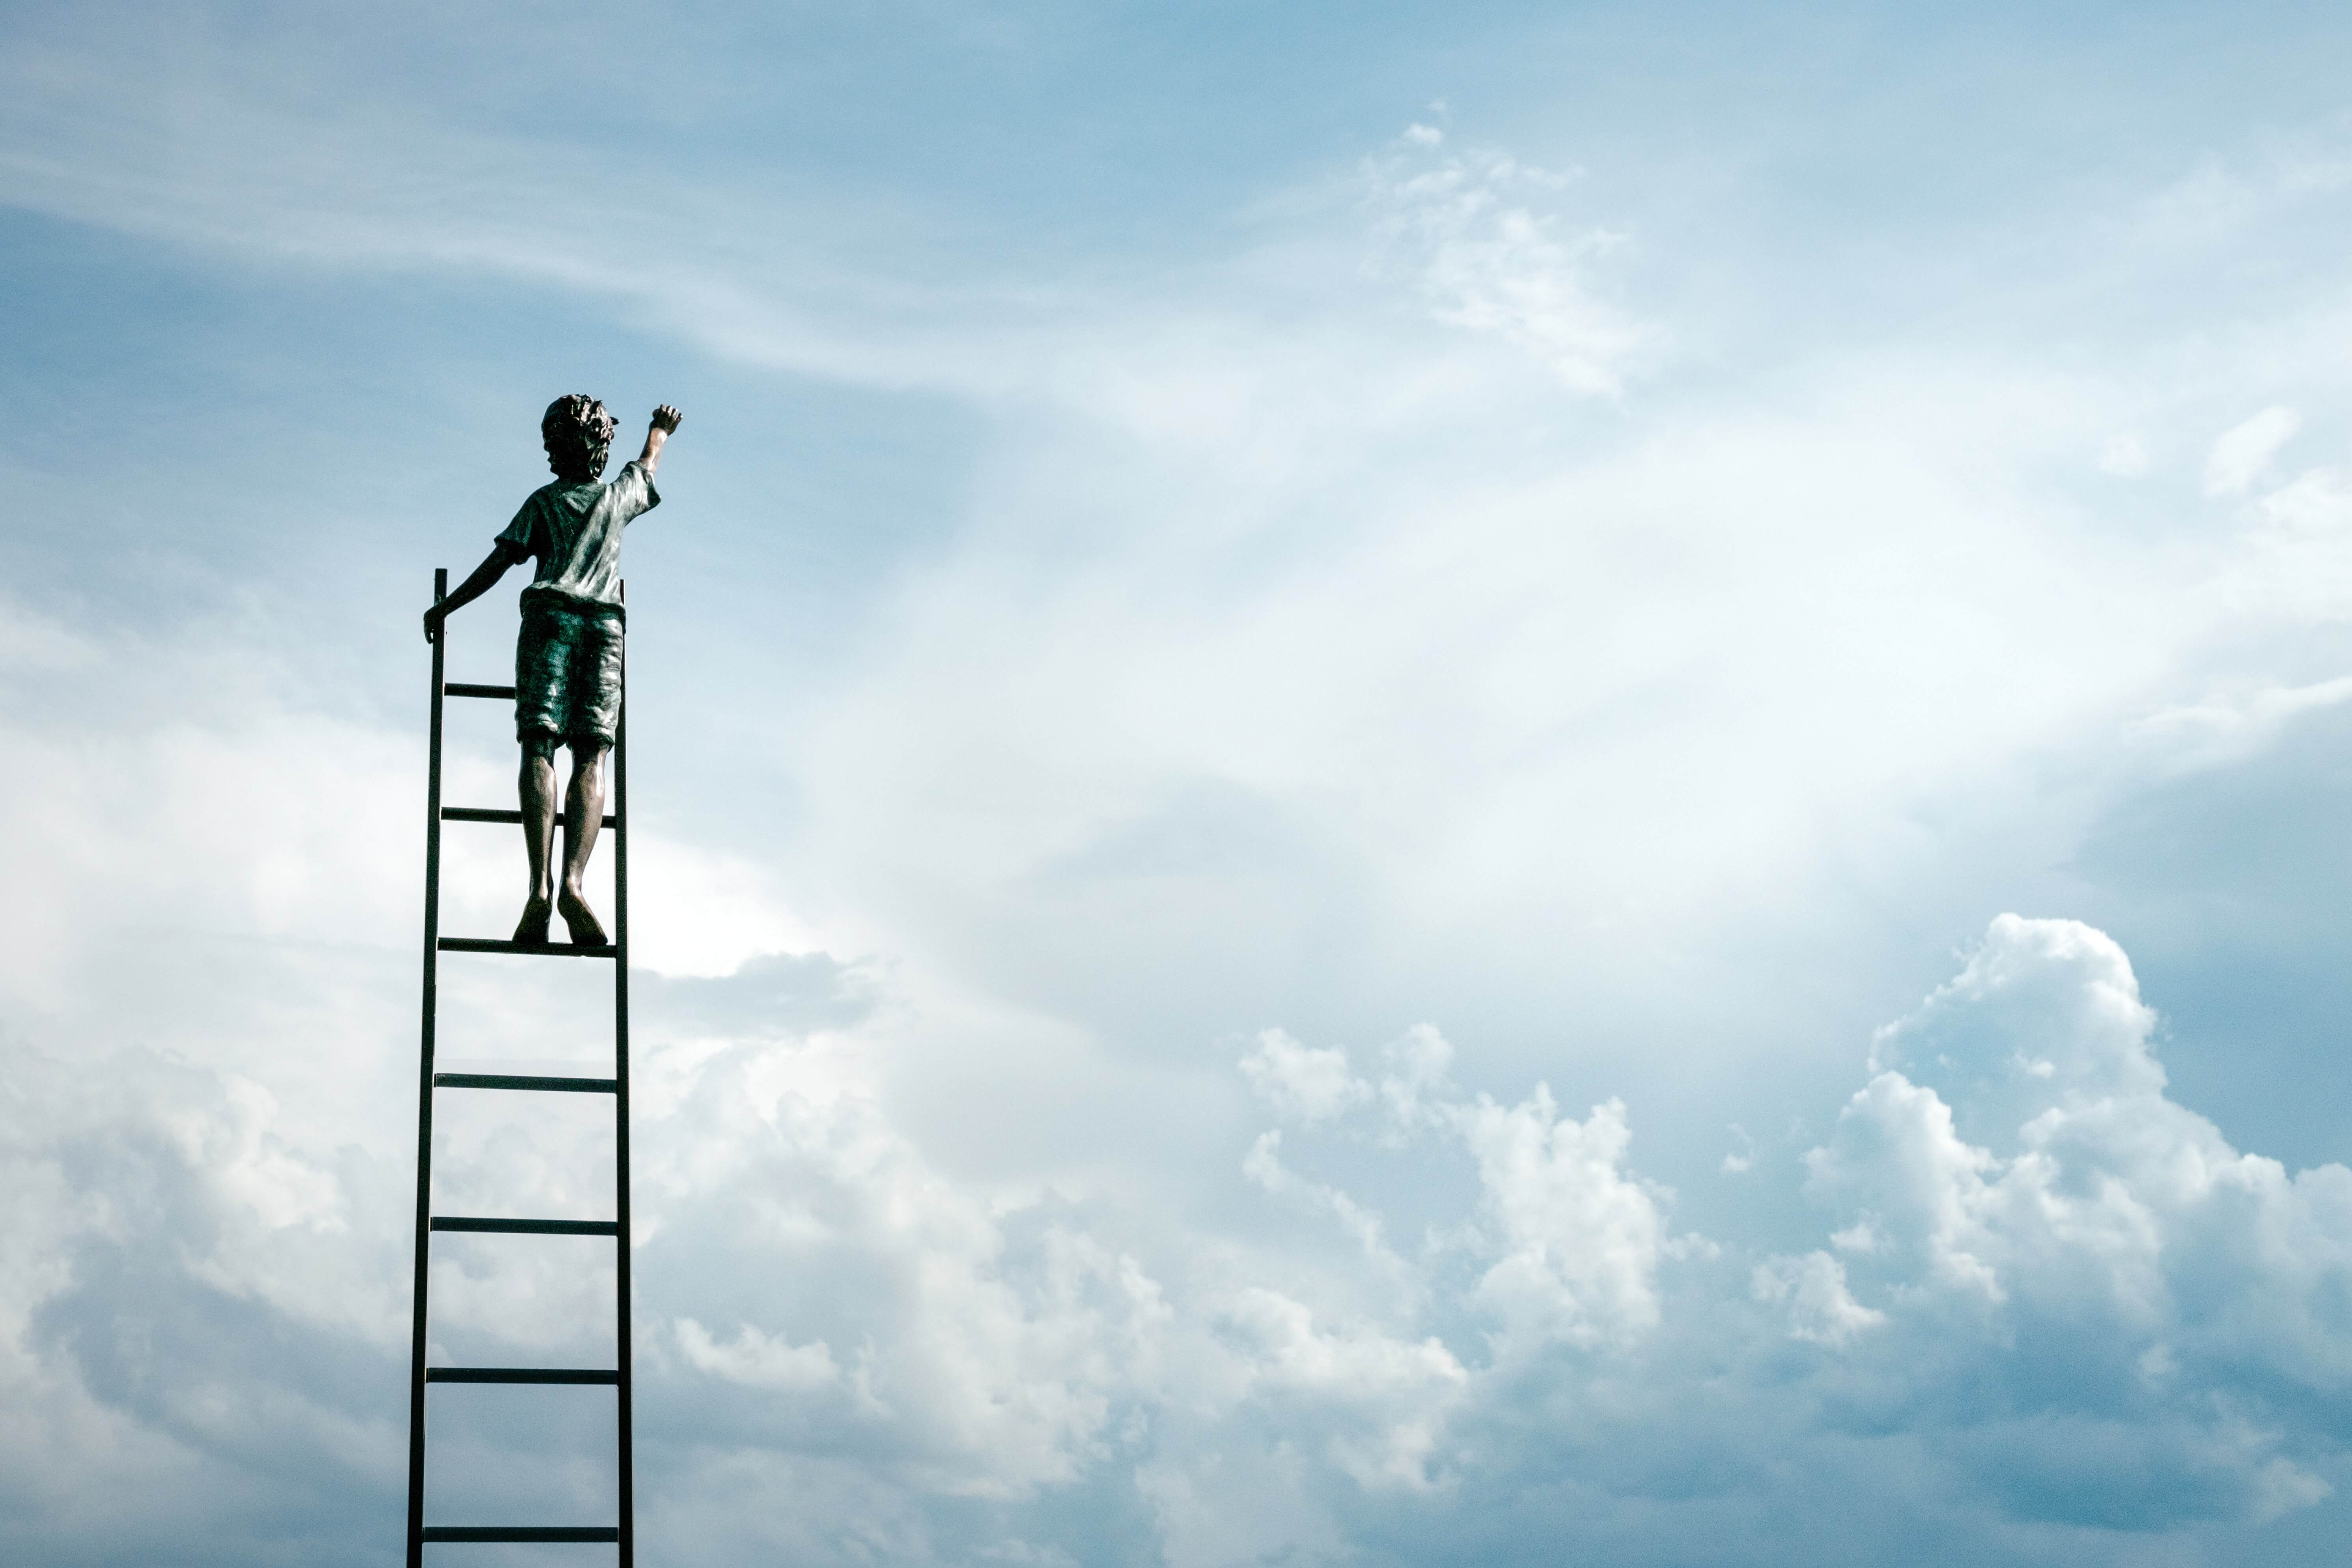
625,1359
424,1098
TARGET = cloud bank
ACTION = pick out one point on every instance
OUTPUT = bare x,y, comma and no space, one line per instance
2047,1307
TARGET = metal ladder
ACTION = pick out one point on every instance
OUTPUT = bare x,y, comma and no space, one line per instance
427,1223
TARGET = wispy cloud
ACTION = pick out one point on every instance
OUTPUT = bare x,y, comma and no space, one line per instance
1478,234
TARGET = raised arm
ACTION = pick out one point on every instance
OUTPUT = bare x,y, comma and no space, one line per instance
493,568
665,420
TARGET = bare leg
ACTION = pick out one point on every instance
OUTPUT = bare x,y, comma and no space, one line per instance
537,787
583,813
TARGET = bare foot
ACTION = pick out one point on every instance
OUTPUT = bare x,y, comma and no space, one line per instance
532,927
579,918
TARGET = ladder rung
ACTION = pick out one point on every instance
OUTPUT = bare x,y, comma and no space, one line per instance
522,1533
529,1226
491,814
541,949
517,1374
468,689
522,1080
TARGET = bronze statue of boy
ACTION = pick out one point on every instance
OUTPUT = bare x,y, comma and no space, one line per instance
568,657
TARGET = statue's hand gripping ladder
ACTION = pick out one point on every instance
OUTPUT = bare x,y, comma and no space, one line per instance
617,953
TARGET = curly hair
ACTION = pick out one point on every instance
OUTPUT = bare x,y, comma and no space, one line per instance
579,437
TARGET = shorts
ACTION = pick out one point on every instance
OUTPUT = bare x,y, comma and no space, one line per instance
568,668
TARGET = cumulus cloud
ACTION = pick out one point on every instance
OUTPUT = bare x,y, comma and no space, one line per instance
1578,1237
2027,1201
1568,1238
2064,1287
1813,1288
1301,1082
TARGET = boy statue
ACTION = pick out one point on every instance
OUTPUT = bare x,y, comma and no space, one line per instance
568,657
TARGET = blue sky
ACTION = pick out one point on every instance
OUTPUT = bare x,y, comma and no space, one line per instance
1412,784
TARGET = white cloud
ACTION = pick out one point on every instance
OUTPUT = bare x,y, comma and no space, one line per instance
1264,1166
2046,1011
2244,452
2035,1185
1403,1389
1578,1237
2225,730
756,1360
1300,1082
2315,503
1821,1308
1469,231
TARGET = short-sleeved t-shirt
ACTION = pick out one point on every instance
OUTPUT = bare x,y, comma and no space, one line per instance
574,532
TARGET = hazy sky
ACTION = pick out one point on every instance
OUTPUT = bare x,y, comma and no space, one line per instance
1412,785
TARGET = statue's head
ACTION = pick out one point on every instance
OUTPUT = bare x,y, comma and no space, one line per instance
579,436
